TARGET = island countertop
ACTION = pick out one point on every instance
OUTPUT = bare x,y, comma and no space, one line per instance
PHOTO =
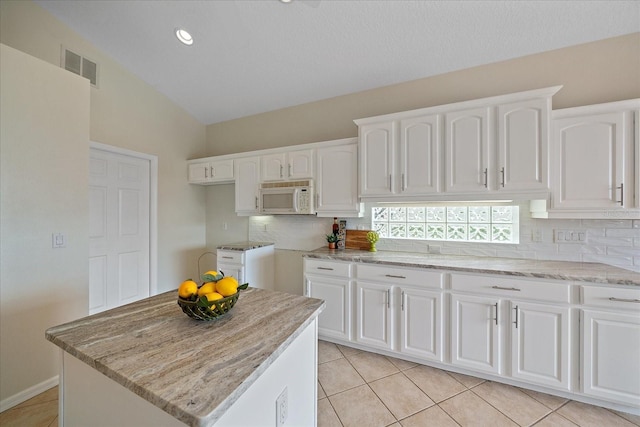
193,370
558,270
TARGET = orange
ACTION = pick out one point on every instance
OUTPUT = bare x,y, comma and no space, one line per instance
227,286
207,288
187,289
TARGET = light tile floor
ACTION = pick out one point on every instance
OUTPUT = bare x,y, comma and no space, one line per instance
358,388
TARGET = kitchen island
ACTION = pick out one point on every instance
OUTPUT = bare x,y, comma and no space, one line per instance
147,363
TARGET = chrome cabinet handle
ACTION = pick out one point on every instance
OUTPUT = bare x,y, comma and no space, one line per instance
621,188
394,276
390,183
325,268
289,169
485,177
404,184
280,171
496,318
402,301
388,298
634,300
226,257
516,322
505,289
502,172
256,202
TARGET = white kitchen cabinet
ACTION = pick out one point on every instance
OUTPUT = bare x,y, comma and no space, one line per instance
211,172
467,150
247,171
248,263
611,344
421,323
475,333
330,281
523,145
374,323
288,165
400,157
377,158
540,343
533,318
337,181
592,153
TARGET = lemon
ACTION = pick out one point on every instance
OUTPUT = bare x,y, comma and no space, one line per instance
207,288
212,272
187,289
227,286
212,296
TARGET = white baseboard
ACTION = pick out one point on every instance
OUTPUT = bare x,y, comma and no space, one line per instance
27,394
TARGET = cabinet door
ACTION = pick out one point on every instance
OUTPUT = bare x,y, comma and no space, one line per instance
540,344
335,319
373,315
467,151
300,164
199,172
222,170
377,161
475,337
337,181
523,141
420,143
247,173
610,355
420,323
592,162
273,167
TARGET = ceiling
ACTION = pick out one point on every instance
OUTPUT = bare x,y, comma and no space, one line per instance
253,56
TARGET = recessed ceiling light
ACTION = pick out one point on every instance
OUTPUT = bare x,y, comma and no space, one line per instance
184,36
286,1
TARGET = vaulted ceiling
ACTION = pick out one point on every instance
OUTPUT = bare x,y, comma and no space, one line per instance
252,56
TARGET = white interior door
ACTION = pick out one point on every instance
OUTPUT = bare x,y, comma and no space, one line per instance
119,253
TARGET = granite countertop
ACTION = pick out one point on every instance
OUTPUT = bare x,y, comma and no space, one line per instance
153,349
559,270
243,246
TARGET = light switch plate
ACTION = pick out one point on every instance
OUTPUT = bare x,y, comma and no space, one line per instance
569,236
58,240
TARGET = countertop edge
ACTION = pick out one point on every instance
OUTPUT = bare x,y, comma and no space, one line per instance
355,258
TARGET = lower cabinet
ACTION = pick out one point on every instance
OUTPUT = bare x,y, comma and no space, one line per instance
611,344
540,341
475,337
528,331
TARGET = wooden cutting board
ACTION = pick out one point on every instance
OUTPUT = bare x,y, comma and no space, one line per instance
357,239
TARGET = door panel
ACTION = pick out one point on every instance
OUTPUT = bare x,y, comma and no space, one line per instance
119,253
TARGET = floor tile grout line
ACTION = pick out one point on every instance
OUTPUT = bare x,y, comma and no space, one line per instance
511,419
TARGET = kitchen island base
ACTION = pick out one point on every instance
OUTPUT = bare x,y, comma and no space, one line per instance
88,397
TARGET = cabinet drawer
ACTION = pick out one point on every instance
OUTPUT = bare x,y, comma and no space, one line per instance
616,298
327,268
512,288
231,257
399,276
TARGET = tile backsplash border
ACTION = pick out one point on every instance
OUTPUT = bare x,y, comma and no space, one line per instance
612,241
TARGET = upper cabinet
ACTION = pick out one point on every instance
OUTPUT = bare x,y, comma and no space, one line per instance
289,165
594,162
480,149
247,172
337,180
210,172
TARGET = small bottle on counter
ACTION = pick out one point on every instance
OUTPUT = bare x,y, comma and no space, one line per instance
335,226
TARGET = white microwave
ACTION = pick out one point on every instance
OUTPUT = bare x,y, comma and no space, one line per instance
287,198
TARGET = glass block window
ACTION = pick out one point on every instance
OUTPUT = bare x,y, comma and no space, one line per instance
460,223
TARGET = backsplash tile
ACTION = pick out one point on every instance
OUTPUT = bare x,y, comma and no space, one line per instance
610,241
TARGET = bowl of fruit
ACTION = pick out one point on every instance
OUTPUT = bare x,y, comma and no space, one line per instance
215,297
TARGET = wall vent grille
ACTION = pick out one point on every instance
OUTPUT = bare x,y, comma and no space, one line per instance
80,65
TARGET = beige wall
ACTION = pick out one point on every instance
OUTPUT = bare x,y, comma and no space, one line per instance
43,159
124,112
602,71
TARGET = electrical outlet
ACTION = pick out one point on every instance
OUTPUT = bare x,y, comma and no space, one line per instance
58,240
569,236
282,408
536,235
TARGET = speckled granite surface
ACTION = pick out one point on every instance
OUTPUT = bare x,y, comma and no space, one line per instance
191,369
562,270
243,246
